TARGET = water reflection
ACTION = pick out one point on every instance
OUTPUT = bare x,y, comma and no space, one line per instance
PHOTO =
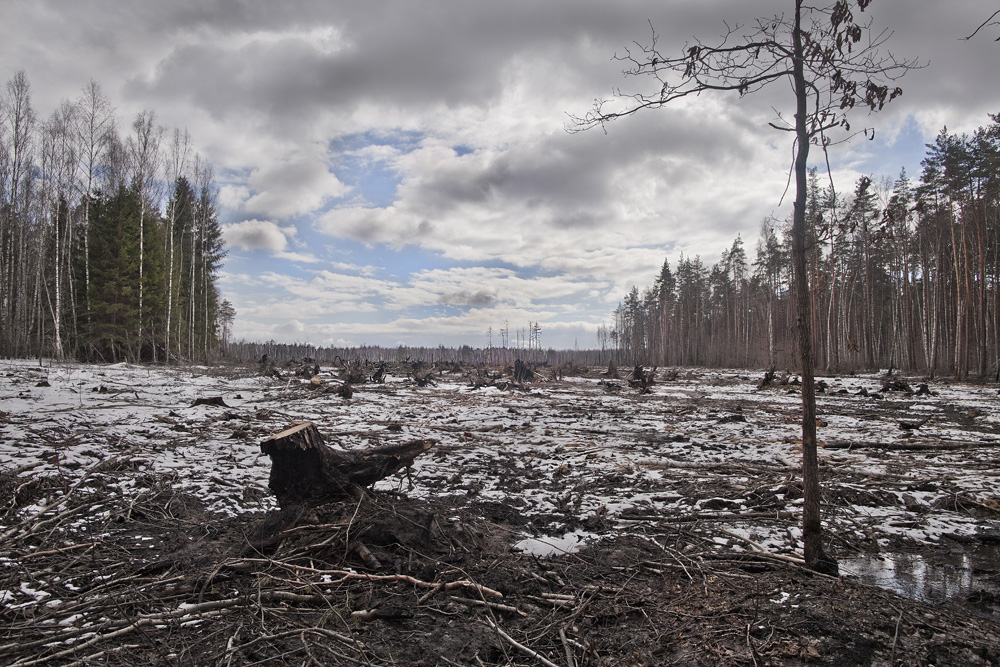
955,576
911,575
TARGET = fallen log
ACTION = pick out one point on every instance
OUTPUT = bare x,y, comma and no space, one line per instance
305,470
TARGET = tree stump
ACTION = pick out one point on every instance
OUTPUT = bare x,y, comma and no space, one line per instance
305,470
522,373
641,380
211,400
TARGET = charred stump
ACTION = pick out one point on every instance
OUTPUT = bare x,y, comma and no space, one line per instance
305,470
896,385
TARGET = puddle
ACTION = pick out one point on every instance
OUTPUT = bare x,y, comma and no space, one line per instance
553,546
971,578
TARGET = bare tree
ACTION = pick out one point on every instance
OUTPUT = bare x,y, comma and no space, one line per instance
833,63
144,149
19,124
95,127
60,164
177,162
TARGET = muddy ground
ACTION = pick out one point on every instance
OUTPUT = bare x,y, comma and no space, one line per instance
568,521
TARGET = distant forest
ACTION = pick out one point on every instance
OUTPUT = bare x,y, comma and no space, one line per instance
109,239
110,247
901,276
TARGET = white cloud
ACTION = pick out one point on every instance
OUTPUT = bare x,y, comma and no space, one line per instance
294,186
290,328
232,197
257,235
303,258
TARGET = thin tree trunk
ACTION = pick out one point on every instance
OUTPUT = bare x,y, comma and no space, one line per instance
812,530
170,284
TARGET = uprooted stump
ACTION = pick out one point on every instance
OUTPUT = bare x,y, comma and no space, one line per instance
641,380
767,380
305,470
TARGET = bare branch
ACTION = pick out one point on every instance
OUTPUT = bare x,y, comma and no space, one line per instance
984,24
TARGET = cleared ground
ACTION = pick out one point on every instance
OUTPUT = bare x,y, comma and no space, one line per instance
575,521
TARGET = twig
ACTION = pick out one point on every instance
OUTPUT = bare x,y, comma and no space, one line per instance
491,605
431,593
895,638
983,25
52,552
570,659
229,645
753,651
345,575
672,554
288,633
92,658
763,550
521,647
203,611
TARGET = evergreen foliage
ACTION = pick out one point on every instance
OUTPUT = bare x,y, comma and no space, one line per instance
901,276
112,321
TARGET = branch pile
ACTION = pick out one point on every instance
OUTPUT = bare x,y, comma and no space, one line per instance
92,576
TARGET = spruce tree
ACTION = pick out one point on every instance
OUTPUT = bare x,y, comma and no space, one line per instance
113,318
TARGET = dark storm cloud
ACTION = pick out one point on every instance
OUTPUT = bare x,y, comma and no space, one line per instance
402,54
478,299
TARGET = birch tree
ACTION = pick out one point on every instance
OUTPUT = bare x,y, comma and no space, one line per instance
60,163
144,149
177,159
95,128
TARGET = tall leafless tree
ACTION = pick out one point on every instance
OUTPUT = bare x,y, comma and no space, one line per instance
144,148
833,63
95,129
179,153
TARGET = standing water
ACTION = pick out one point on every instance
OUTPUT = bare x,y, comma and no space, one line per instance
969,577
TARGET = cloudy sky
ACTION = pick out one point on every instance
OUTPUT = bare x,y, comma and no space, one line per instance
400,172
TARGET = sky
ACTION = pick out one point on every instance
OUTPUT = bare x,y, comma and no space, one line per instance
400,173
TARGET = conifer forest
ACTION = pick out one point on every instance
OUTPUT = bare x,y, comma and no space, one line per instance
903,275
110,243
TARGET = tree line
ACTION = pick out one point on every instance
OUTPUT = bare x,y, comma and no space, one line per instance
110,242
901,276
293,354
